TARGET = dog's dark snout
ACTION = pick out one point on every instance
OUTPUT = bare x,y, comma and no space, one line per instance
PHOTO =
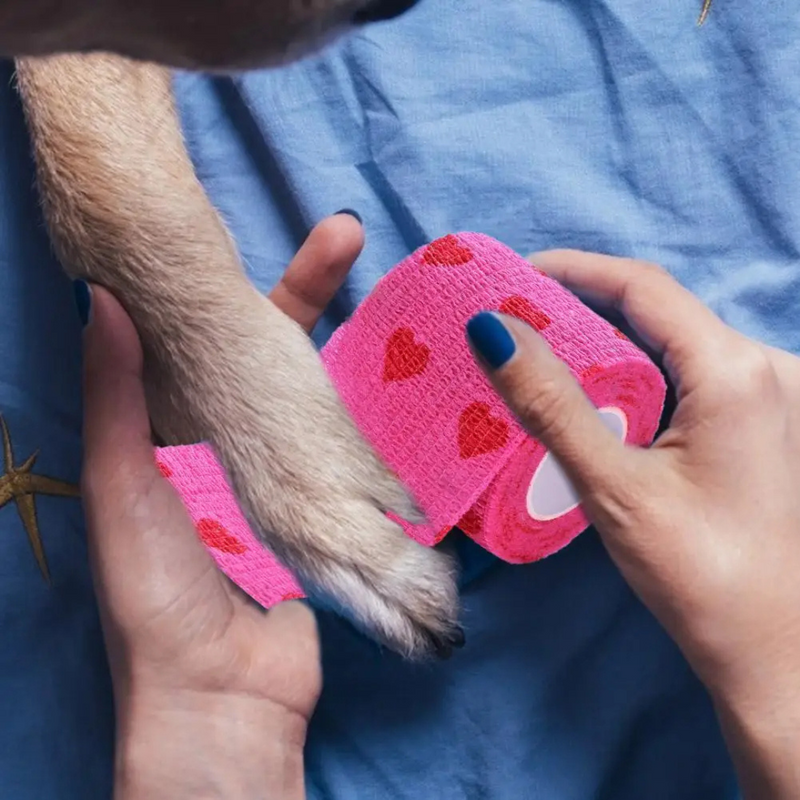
377,10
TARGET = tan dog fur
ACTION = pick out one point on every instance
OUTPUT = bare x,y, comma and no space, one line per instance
126,210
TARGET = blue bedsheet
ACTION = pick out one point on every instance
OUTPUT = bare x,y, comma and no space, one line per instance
612,125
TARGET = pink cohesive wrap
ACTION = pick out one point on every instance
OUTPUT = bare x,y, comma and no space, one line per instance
404,371
197,476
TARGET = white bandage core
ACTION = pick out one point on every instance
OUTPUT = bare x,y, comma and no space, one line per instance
550,494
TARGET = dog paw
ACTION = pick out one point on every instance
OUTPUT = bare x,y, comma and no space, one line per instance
311,487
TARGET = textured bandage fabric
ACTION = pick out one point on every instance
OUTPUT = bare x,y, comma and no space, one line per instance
404,371
199,479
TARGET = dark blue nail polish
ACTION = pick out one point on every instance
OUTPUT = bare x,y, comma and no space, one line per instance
83,300
490,338
352,213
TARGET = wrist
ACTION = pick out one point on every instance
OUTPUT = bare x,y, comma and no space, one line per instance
761,724
208,747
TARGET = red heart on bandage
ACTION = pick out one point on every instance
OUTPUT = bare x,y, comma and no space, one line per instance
447,252
589,371
472,522
404,357
479,432
522,308
215,534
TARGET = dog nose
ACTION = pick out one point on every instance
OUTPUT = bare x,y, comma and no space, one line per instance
377,10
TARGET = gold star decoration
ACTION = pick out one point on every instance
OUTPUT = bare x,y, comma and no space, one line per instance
704,11
21,484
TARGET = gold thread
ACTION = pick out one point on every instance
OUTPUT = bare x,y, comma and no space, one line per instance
21,485
704,12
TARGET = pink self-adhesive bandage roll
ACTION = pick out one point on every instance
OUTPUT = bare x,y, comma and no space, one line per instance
404,371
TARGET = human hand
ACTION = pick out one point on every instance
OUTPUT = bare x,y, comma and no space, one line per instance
212,694
704,525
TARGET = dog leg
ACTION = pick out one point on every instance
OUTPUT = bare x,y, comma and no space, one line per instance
125,209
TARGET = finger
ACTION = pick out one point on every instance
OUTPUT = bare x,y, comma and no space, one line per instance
667,316
319,269
550,404
116,430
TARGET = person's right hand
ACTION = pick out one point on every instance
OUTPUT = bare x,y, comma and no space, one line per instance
705,525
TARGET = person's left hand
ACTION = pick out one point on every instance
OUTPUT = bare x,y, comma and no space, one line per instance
213,695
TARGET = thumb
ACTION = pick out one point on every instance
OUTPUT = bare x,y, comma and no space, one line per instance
144,549
551,405
117,440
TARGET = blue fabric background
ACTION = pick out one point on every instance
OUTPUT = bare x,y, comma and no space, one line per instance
612,125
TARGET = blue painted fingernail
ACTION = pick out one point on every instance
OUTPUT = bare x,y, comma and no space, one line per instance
352,213
83,300
491,339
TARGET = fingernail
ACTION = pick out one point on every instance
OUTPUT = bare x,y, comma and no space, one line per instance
491,339
352,213
83,300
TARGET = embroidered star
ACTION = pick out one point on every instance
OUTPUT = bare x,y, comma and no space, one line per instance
21,485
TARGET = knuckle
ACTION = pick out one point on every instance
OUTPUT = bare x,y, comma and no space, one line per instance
652,269
750,378
544,406
642,277
646,273
643,270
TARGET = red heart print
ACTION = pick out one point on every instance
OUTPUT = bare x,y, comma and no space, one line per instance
471,523
522,308
292,596
479,432
404,357
589,371
164,469
215,534
447,252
